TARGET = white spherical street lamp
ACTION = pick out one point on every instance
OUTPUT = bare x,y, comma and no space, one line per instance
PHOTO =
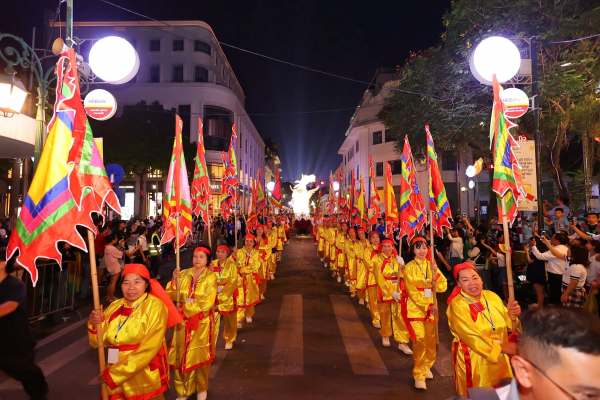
495,55
114,60
270,186
336,186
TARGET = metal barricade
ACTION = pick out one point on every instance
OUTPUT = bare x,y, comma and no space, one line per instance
54,291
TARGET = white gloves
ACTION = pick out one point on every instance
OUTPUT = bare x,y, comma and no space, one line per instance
400,260
396,296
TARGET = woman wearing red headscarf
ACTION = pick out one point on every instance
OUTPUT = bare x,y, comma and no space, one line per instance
134,331
418,311
479,322
225,269
248,263
360,283
264,249
198,334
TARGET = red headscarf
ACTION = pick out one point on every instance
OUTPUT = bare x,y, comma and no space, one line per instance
156,290
224,248
457,269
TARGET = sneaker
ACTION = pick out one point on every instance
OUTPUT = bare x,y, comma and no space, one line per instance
272,277
428,374
385,341
239,325
361,301
228,346
353,294
347,283
262,296
378,326
403,347
339,279
248,320
201,396
322,259
368,306
420,384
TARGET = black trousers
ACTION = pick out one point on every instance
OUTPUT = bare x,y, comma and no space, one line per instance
22,368
154,265
554,287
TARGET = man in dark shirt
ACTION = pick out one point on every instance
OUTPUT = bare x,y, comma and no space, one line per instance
17,345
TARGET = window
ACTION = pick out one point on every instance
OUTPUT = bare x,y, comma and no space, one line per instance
396,167
155,73
199,45
217,123
201,74
178,45
379,169
377,137
388,136
155,45
178,73
357,146
448,161
185,113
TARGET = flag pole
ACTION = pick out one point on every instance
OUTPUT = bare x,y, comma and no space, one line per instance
209,233
178,269
96,294
433,274
507,257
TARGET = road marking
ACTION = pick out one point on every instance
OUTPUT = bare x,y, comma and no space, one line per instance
55,361
287,357
363,354
443,361
60,333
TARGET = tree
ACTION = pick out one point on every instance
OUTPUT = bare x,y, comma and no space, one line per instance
457,106
140,140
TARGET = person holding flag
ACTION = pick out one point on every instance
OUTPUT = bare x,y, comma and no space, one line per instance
370,256
361,277
280,237
272,236
321,226
353,252
191,358
264,248
225,268
248,263
340,259
330,237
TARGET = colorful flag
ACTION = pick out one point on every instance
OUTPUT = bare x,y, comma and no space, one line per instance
353,204
277,196
392,217
227,190
261,199
201,189
361,213
341,193
438,202
331,196
62,196
374,199
411,213
252,221
178,201
507,170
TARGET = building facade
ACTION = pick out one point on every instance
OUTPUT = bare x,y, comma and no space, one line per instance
367,136
182,66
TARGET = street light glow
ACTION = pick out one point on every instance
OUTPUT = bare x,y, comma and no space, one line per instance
270,186
114,60
471,171
471,184
336,186
495,55
12,94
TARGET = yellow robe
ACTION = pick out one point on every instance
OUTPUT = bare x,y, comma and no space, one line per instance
142,371
228,282
340,247
264,248
320,240
248,267
281,236
416,313
330,237
370,254
386,271
273,258
361,268
353,251
200,327
476,350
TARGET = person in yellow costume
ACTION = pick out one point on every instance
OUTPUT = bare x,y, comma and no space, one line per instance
330,237
353,249
418,311
272,236
264,248
134,331
249,263
280,238
387,268
326,246
480,324
360,281
340,260
225,268
192,357
370,255
321,240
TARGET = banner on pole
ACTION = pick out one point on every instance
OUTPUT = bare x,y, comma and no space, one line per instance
526,156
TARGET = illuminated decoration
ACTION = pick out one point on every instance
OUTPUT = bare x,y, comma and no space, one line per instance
100,104
114,60
495,55
301,195
475,169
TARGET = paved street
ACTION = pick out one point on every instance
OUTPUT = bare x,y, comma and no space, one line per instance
309,340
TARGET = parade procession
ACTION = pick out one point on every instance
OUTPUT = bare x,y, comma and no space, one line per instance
165,234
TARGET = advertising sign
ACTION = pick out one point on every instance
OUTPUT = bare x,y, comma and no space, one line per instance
526,157
100,104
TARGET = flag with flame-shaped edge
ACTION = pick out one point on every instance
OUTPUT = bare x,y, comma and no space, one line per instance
507,170
201,189
438,202
277,196
177,196
252,221
61,195
361,214
411,218
261,199
392,217
374,199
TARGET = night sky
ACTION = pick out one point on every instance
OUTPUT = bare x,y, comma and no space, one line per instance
347,38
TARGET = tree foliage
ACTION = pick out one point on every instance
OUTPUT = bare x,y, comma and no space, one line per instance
457,107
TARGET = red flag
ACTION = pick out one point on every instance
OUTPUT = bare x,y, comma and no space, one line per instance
201,189
391,208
